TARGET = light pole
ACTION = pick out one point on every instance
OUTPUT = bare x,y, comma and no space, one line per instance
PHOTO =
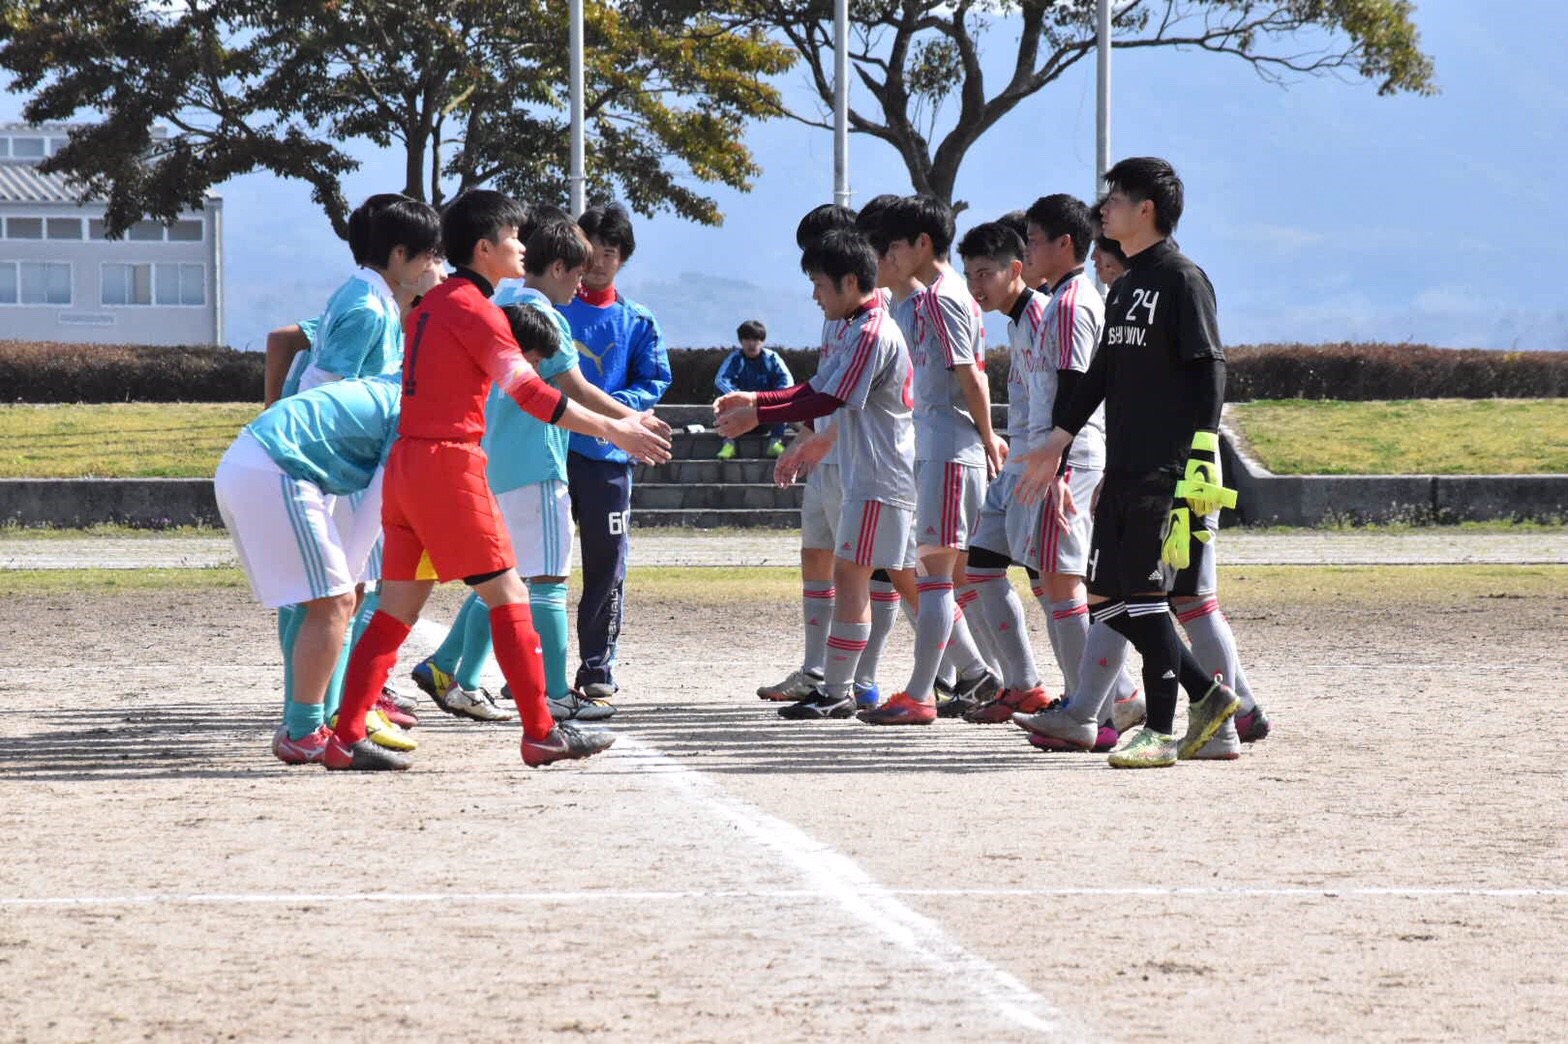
577,176
841,103
1102,131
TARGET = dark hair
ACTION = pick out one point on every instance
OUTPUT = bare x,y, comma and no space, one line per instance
994,241
610,224
841,252
359,223
1110,246
477,214
1018,221
406,223
822,219
554,241
1150,178
869,220
539,215
1063,215
911,216
751,330
534,331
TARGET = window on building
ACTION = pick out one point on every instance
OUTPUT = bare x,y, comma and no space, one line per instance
127,284
56,144
145,232
27,148
187,231
40,283
193,284
24,228
5,146
7,282
63,228
95,228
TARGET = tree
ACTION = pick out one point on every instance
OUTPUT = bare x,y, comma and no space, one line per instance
912,56
470,92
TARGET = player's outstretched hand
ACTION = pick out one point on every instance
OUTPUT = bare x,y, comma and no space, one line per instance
1040,468
631,435
733,401
735,422
654,424
805,453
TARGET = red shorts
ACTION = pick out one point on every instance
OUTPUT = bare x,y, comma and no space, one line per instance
441,520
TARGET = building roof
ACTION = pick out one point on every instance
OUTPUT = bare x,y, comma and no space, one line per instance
24,183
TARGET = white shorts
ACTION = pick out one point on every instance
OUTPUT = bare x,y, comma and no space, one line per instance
358,518
1046,544
947,502
283,529
875,534
820,507
539,518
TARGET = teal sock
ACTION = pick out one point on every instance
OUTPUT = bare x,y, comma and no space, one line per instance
290,619
476,646
548,603
450,651
367,609
301,719
334,696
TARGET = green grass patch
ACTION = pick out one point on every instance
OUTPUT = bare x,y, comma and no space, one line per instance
1407,437
1240,586
118,440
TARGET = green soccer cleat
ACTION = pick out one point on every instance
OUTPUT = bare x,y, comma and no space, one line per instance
1148,749
1206,716
727,451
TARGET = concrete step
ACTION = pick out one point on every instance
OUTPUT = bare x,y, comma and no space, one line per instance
754,518
708,496
706,446
705,471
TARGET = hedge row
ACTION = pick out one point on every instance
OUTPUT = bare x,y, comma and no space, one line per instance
45,372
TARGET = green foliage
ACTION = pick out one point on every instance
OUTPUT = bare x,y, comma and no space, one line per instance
45,372
913,57
471,92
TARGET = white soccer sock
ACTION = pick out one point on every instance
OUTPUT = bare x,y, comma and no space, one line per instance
884,612
845,643
1069,636
1001,615
1214,644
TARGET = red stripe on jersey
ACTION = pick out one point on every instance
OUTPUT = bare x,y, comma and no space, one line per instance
865,349
1064,325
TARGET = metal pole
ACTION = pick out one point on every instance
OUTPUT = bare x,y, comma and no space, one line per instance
578,177
841,103
1102,132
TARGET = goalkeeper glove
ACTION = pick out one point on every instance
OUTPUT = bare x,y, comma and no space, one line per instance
1176,551
1202,487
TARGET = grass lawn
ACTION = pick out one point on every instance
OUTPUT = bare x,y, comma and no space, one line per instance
118,440
1243,586
1407,437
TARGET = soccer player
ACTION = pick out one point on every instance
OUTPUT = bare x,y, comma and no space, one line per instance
622,352
956,451
275,488
527,473
1160,373
441,520
865,377
1110,264
751,367
820,502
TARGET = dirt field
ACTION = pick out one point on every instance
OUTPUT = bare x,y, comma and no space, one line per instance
1389,866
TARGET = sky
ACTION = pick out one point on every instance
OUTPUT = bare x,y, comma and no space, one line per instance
1321,211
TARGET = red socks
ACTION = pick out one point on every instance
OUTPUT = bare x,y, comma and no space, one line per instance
374,656
517,651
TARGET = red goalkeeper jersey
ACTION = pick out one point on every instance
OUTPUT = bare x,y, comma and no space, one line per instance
457,345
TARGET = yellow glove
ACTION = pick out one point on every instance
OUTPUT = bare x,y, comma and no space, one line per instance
1202,486
1176,552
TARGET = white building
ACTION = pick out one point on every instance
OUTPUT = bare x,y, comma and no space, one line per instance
61,280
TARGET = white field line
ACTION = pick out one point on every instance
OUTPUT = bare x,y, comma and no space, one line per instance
839,880
776,895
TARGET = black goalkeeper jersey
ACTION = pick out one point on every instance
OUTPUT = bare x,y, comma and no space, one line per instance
1157,352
